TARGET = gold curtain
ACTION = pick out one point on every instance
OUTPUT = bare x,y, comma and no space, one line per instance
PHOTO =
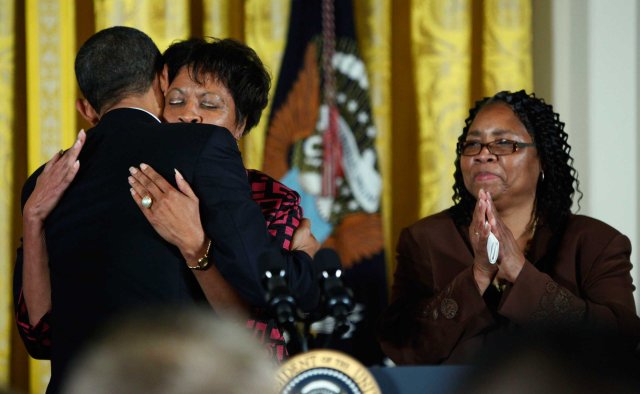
51,122
7,54
441,34
506,46
50,83
226,18
163,20
428,61
447,58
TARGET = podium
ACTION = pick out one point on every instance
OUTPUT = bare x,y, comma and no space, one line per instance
330,371
419,379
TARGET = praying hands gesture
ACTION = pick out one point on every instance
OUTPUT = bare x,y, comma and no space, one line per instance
510,258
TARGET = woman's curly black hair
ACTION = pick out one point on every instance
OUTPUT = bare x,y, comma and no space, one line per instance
555,190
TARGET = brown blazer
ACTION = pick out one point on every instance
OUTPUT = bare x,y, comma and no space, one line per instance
437,314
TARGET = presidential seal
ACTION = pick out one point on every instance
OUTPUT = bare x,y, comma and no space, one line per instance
325,372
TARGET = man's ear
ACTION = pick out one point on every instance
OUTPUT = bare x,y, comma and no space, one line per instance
87,112
164,79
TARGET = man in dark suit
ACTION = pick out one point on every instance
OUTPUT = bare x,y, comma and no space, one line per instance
104,257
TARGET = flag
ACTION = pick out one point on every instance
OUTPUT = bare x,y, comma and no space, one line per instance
321,142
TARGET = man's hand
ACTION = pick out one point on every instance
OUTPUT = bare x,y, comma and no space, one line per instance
304,240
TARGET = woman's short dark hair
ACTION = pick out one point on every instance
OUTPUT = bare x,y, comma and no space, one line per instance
555,190
115,63
230,62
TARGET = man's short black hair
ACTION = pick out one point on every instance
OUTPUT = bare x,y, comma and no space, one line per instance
115,63
231,63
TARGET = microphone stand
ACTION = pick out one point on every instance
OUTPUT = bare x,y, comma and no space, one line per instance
297,342
283,308
340,327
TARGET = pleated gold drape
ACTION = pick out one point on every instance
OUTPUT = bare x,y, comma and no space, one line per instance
447,74
50,83
164,21
427,61
7,55
50,93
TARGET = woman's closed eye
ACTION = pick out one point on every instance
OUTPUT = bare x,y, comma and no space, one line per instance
175,100
211,100
210,105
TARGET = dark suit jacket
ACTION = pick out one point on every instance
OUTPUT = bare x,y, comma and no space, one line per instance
438,316
105,258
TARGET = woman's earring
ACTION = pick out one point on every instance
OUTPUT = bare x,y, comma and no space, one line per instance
542,172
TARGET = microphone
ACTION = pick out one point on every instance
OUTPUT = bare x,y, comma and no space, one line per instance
279,300
337,299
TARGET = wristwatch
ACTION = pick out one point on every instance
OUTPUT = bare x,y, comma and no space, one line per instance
203,262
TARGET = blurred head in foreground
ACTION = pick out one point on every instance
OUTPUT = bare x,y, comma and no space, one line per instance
179,351
562,361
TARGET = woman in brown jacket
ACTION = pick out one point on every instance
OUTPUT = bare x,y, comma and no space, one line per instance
514,181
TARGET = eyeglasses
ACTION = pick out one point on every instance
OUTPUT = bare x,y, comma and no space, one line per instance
500,147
